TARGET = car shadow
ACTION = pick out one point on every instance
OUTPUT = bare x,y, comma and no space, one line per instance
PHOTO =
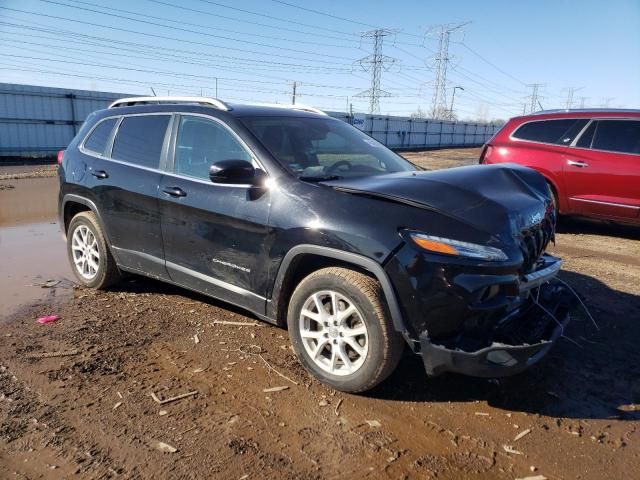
591,374
139,285
577,225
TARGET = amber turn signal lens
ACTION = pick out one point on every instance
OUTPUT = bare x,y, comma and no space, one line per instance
434,246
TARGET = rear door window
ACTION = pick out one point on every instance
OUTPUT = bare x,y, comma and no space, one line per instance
618,136
559,132
97,139
139,140
201,143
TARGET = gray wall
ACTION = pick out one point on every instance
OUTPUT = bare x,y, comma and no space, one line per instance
408,133
39,121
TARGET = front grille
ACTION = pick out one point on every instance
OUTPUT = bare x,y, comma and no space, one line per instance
534,240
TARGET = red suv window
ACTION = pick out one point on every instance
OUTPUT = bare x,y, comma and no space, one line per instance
561,132
617,136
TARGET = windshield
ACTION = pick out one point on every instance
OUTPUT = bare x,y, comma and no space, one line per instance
324,148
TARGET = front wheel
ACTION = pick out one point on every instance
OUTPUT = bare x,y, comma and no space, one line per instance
341,331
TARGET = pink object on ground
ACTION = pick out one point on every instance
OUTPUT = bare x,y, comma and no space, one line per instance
48,319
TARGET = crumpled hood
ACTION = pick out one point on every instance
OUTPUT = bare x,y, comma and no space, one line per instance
492,198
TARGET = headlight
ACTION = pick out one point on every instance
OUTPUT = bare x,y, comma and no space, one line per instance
457,248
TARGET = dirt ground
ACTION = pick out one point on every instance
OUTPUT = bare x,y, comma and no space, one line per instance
77,396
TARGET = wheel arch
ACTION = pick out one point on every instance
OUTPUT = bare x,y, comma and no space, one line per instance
302,260
73,204
555,187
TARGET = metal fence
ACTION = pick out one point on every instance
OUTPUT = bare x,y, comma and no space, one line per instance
38,121
405,133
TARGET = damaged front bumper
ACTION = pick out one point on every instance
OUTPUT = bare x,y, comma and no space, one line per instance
518,341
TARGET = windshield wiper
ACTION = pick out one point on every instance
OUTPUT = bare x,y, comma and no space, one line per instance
319,178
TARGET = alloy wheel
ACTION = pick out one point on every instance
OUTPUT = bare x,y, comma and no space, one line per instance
333,333
86,256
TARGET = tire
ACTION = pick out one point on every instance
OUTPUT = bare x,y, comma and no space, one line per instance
85,238
353,353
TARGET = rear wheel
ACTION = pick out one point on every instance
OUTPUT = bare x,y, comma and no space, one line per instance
340,329
89,256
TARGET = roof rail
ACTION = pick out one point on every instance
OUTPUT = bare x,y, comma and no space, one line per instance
572,110
295,106
130,101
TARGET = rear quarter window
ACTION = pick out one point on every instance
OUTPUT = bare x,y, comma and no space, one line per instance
559,132
97,140
617,136
139,140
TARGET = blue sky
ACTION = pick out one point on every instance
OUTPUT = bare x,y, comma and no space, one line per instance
256,49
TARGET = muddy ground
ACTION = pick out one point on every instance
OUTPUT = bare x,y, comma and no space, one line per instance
91,414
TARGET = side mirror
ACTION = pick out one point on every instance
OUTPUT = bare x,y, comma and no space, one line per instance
233,172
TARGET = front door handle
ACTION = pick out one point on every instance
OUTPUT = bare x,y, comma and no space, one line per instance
100,174
175,191
575,163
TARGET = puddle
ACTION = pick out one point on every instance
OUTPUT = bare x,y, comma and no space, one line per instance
31,247
30,255
28,200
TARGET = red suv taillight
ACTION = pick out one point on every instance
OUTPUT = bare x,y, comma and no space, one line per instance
60,157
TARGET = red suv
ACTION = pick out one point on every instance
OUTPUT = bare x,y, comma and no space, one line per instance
591,158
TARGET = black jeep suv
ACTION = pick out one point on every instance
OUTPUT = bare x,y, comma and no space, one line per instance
308,222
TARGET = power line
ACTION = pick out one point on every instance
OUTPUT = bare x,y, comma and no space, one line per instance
323,13
264,15
208,27
151,50
492,64
279,27
189,60
148,22
375,63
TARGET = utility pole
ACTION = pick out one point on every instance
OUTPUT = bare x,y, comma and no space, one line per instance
375,63
453,97
293,95
583,100
571,91
606,101
535,96
441,64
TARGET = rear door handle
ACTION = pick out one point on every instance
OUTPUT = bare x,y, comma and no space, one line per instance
175,191
575,163
100,174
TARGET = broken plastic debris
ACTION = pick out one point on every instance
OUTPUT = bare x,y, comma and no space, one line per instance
275,389
509,449
48,319
165,447
373,423
522,434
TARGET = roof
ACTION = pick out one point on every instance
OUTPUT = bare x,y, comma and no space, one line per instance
582,113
